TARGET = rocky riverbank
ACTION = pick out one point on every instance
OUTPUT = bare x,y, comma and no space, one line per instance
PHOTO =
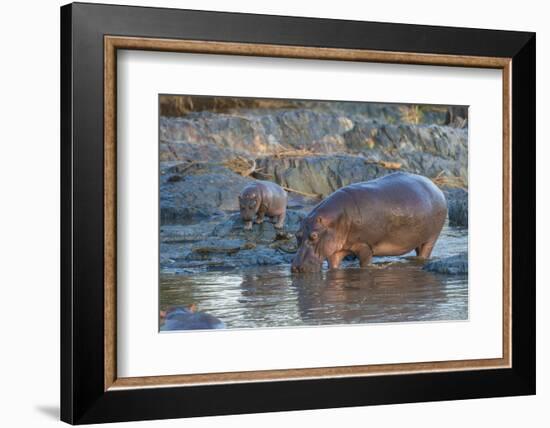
208,156
454,265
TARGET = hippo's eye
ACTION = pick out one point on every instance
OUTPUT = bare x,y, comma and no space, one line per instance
313,236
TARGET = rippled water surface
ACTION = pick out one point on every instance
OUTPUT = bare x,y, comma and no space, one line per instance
393,289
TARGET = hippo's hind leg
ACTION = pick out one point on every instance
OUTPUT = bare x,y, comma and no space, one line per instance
424,251
280,221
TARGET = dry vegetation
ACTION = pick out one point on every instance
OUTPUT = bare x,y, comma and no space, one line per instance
411,114
180,105
241,166
450,181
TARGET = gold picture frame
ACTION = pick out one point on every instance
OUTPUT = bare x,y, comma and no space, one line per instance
114,43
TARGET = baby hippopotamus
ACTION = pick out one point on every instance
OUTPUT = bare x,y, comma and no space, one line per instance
260,199
388,216
181,318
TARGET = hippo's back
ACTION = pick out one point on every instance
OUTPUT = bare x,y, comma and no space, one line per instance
399,191
265,188
396,213
273,188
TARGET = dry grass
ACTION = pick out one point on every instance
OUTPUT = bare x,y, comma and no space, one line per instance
181,105
449,181
390,165
246,168
385,164
411,114
241,166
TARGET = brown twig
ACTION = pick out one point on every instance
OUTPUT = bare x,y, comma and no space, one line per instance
189,165
293,152
309,195
241,166
250,170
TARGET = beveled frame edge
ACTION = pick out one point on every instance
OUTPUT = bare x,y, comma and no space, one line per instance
113,43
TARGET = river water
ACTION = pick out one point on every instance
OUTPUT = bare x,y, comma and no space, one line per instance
392,289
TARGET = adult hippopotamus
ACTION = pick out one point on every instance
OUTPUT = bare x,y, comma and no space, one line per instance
260,199
388,216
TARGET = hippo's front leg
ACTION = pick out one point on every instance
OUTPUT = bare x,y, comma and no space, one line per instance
335,259
364,253
280,221
260,216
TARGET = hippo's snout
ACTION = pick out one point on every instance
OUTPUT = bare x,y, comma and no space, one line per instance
305,262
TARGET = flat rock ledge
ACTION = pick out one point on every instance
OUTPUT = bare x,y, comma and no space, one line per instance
453,265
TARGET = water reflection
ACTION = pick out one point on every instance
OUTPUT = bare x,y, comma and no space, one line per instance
272,297
394,293
394,289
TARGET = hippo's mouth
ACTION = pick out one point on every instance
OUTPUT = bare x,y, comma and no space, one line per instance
308,267
306,260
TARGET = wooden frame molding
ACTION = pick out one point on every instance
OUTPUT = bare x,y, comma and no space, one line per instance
113,43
